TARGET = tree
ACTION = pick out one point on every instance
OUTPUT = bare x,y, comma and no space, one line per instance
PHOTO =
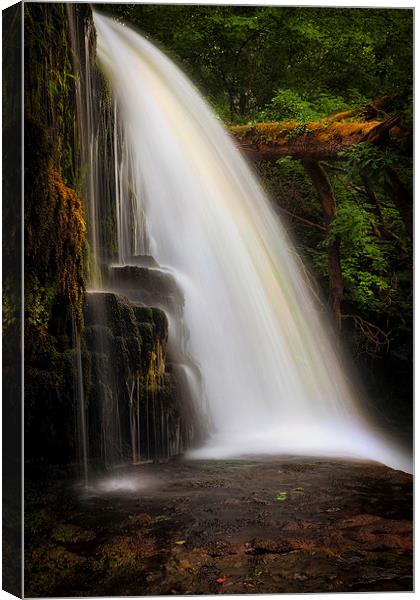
246,59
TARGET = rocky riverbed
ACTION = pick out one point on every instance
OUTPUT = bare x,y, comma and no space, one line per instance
260,525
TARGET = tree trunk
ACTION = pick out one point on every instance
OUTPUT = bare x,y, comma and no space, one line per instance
321,140
326,196
402,200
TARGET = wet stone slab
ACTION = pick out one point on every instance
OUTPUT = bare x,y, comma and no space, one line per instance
214,527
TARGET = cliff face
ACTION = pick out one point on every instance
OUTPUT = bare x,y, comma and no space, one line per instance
55,231
96,359
131,410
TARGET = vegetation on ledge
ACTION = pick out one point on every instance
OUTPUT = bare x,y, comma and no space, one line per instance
320,140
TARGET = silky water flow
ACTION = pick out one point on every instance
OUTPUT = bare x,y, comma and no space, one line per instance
273,382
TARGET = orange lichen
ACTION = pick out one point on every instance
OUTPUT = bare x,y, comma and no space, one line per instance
311,140
281,132
69,249
55,233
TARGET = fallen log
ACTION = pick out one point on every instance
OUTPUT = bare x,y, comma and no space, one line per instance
309,141
372,110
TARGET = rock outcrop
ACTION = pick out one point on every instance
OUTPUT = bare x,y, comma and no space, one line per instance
129,396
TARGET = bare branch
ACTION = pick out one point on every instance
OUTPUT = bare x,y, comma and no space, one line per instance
374,339
303,220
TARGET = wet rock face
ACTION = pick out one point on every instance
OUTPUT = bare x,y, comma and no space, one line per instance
132,413
143,260
149,286
132,337
110,321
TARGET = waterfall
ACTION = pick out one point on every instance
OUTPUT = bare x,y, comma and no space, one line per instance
271,374
132,385
102,144
81,429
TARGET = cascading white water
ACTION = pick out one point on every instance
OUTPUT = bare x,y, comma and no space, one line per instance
272,377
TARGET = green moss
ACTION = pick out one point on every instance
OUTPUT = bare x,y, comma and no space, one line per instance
55,230
160,321
144,314
49,81
146,332
282,133
135,336
55,233
124,553
50,566
71,534
37,521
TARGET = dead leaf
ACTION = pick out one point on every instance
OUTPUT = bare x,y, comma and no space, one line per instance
145,518
142,517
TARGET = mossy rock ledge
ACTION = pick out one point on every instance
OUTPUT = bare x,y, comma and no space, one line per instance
126,377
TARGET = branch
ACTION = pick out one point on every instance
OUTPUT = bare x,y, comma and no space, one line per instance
381,129
375,337
368,111
303,220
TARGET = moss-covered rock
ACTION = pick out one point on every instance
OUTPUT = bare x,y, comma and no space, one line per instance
116,313
129,394
55,232
148,286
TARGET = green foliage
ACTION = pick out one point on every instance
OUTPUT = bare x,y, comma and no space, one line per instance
241,56
50,81
369,160
39,300
375,254
293,105
10,304
375,251
374,162
288,104
353,226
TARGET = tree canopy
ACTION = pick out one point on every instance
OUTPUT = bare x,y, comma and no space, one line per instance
283,62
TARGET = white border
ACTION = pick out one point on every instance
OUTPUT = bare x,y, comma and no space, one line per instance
326,3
